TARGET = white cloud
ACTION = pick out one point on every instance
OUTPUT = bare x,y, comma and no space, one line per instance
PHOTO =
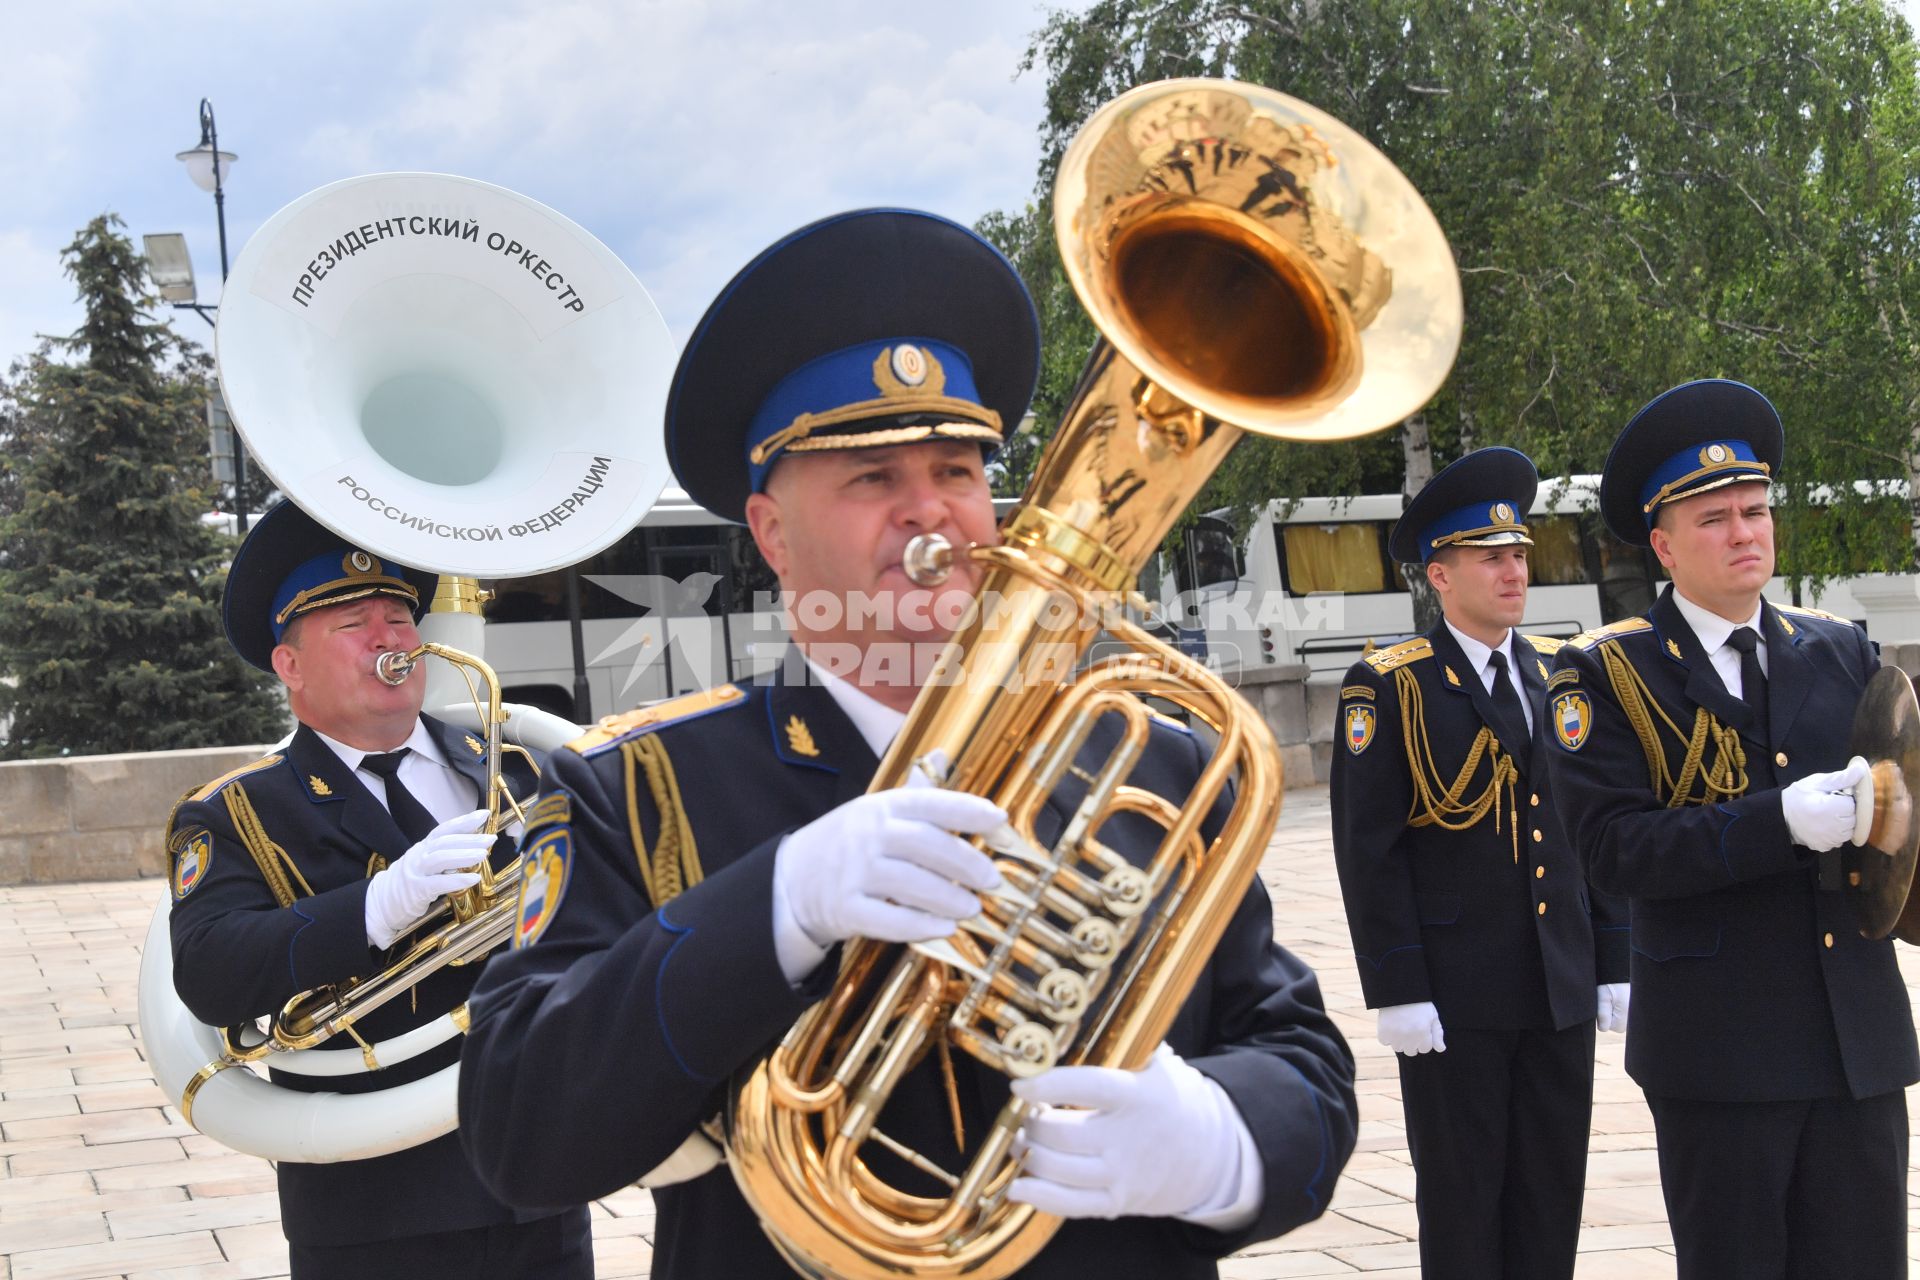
686,135
36,297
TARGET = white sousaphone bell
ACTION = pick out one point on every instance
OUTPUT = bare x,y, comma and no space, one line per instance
460,379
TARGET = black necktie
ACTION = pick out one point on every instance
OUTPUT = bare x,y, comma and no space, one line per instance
411,816
1753,683
1506,701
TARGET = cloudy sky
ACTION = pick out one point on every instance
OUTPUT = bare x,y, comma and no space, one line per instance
686,134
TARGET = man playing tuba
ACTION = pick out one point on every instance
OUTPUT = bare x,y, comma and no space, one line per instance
311,867
841,397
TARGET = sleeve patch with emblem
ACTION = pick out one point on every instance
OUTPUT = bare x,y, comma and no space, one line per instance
545,855
1360,721
1572,719
190,867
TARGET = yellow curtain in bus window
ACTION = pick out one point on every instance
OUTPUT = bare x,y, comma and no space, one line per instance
1555,560
1335,557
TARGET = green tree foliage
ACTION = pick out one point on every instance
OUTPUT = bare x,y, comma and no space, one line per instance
1636,194
110,584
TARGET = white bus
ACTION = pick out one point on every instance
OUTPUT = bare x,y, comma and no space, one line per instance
685,601
1312,581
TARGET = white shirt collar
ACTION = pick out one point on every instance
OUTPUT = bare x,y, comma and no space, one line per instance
1709,628
1478,653
878,723
420,742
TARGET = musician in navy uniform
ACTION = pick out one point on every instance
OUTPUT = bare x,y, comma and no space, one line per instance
312,866
1701,762
1473,928
705,859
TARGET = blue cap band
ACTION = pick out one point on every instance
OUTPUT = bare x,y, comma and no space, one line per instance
824,403
335,577
1483,524
1698,468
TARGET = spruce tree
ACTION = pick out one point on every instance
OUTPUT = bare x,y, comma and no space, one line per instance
109,582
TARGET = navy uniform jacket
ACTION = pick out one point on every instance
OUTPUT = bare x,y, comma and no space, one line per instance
238,954
1494,924
1750,983
652,1010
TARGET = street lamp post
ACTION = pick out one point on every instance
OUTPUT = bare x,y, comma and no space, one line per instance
207,165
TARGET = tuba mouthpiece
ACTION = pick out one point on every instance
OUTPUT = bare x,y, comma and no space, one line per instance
394,666
928,559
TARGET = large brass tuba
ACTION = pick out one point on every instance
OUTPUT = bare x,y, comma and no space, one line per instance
1253,265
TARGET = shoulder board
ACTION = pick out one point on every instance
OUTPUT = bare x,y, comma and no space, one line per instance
212,788
1399,655
1545,644
1612,631
1801,611
646,719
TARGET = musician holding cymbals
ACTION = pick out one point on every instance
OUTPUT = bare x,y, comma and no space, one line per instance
1701,761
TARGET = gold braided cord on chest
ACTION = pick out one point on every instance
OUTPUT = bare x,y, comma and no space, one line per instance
672,866
1438,803
275,864
1697,783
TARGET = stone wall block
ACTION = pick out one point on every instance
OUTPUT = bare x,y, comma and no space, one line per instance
33,797
140,789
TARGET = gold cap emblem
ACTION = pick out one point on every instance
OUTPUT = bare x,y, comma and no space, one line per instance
1715,454
358,562
1502,513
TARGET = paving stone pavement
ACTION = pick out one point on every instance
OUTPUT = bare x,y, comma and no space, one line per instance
102,1179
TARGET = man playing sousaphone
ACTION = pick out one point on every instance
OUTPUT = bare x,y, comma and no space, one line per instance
1701,764
702,862
313,865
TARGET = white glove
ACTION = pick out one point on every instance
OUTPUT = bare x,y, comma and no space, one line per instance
1819,807
398,897
1152,1143
1612,1001
887,866
1412,1028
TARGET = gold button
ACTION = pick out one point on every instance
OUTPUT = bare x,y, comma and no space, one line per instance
1537,835
1534,800
1829,940
1539,873
1780,758
1543,911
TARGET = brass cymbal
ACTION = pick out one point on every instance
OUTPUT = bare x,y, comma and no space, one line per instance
1880,870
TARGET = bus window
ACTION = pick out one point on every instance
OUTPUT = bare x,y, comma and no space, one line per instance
1556,558
1625,573
1348,557
1212,559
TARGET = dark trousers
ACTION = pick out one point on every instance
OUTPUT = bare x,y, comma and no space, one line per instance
560,1247
1497,1126
1786,1190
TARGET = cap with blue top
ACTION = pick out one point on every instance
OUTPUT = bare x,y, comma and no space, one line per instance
1481,500
870,328
1692,439
290,565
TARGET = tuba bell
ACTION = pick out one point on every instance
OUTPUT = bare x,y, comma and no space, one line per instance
460,379
1253,265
